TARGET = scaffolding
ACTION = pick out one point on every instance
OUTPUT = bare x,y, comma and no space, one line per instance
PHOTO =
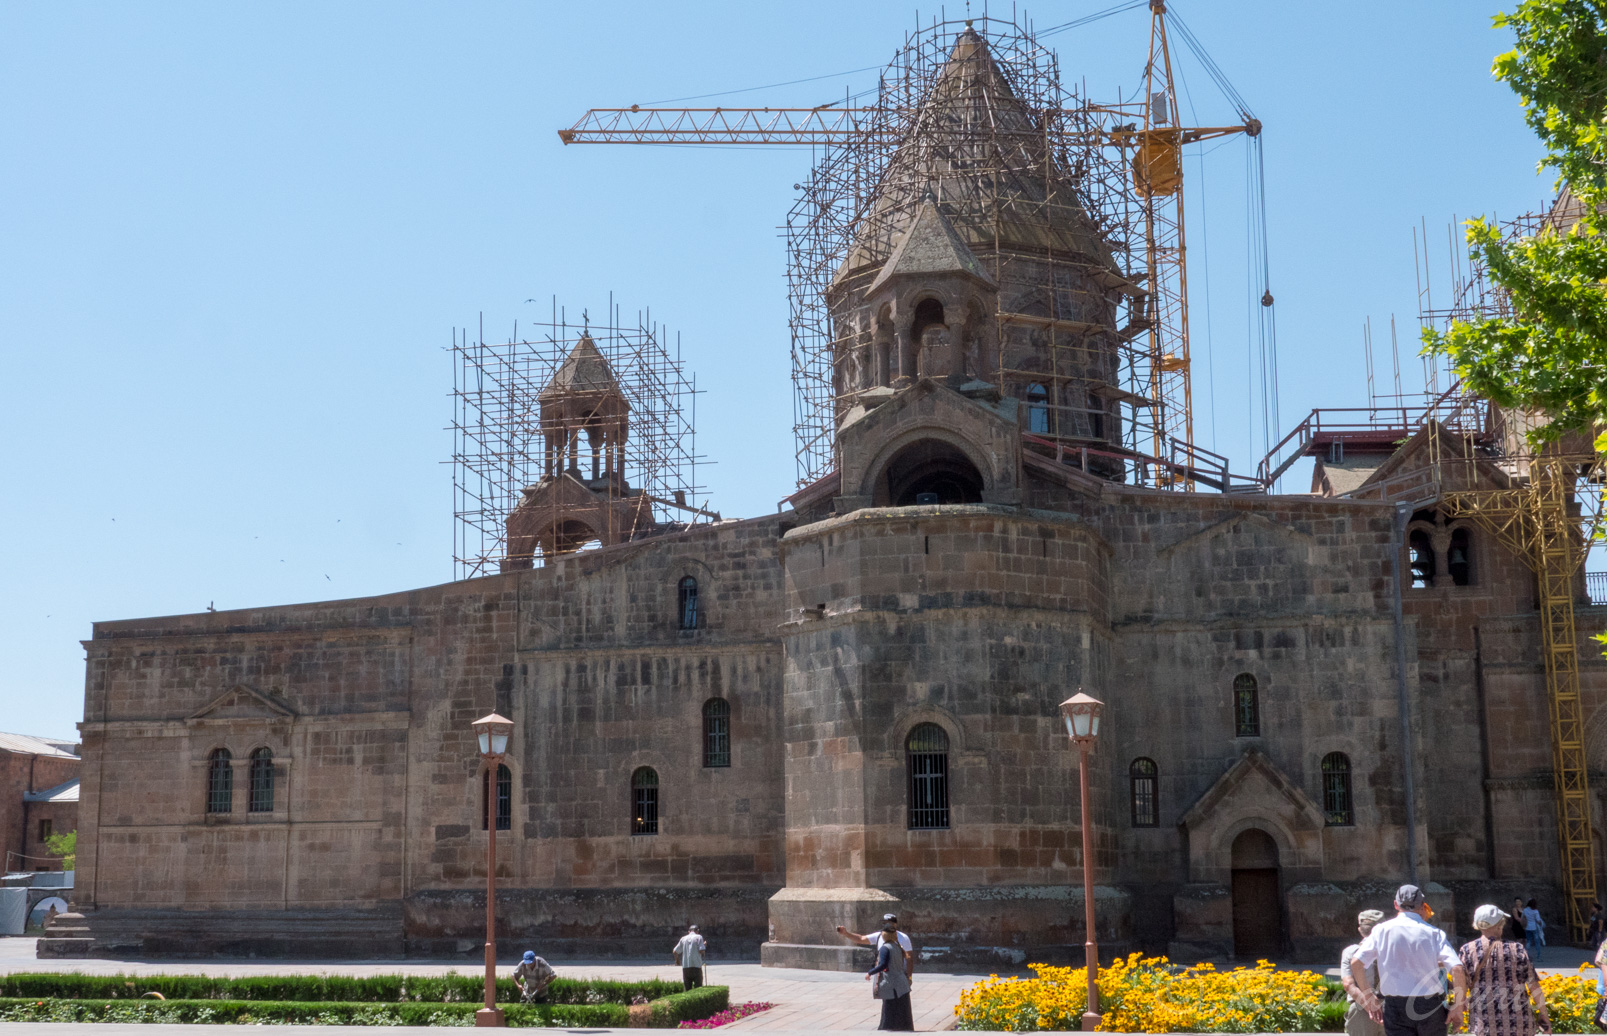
1023,151
501,440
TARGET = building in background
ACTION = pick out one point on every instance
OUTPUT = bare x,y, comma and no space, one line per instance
38,798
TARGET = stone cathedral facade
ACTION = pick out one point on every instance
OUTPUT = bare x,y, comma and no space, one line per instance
776,725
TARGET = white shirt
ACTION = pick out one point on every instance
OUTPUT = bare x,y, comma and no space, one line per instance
1410,953
690,950
903,942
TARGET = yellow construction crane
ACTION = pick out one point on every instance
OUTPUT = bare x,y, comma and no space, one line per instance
1149,135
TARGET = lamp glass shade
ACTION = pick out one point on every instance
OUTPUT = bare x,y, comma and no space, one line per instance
492,732
1082,716
499,743
485,741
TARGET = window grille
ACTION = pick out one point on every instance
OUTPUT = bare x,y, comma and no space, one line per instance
504,798
688,603
1142,776
716,732
261,800
219,782
1336,805
1246,706
644,801
926,755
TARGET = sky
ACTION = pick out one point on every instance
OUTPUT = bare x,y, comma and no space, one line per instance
236,240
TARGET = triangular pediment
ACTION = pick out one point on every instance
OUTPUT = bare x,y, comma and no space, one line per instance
1254,787
242,701
1248,522
1439,462
930,247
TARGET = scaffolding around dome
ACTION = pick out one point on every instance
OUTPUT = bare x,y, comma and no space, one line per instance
567,435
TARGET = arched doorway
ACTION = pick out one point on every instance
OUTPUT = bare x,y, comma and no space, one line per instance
1257,904
929,471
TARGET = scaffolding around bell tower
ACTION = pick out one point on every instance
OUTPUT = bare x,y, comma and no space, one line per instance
504,453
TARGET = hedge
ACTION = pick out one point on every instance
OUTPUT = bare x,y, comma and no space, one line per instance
690,1006
293,1012
449,988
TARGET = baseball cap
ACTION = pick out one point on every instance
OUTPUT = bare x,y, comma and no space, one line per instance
1368,918
1409,896
530,956
890,917
1488,916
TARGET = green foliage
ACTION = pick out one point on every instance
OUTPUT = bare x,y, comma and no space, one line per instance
694,1004
1559,72
449,988
65,846
1551,353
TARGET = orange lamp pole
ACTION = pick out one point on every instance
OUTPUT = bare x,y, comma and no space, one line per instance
492,731
1082,725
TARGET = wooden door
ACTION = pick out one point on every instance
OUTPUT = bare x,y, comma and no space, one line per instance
1257,918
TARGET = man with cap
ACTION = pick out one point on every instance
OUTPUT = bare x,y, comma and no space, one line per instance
1357,1021
533,976
874,941
688,953
1409,999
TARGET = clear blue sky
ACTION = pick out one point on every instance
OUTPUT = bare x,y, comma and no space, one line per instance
236,239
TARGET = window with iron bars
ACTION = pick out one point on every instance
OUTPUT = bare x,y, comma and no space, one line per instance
261,800
926,755
219,781
644,801
716,732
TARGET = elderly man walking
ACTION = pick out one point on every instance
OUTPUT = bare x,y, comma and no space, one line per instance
1357,1020
1411,955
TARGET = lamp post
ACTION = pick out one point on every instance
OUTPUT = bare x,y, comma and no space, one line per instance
492,732
1082,724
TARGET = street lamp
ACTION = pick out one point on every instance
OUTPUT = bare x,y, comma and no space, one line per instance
1082,725
492,732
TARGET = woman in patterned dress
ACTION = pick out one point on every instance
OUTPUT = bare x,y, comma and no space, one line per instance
1501,981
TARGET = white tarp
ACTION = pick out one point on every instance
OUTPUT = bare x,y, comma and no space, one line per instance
13,910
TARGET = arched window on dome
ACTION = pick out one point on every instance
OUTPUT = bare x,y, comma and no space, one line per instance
716,732
686,594
926,761
644,801
1141,778
1336,805
220,781
261,800
1246,706
1037,409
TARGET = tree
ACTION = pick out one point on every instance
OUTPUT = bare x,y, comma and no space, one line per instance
1551,353
65,846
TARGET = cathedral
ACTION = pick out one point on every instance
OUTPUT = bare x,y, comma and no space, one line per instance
777,725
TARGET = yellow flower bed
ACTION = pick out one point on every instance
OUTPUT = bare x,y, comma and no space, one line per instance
1571,1000
1149,994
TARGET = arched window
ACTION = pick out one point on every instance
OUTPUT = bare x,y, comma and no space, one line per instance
688,603
219,781
504,798
1459,559
644,801
1037,409
1420,550
926,758
1246,706
716,732
261,782
1096,416
1141,777
1336,806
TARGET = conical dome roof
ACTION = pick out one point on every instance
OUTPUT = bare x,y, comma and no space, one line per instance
980,150
584,371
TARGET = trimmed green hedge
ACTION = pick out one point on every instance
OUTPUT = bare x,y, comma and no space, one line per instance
692,1005
249,1012
440,989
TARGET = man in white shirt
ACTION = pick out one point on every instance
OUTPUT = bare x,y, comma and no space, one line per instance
688,953
1411,955
874,941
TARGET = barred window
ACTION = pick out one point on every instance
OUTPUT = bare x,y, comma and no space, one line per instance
1336,805
1246,706
219,781
1141,776
688,603
926,756
716,732
504,798
261,782
644,801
